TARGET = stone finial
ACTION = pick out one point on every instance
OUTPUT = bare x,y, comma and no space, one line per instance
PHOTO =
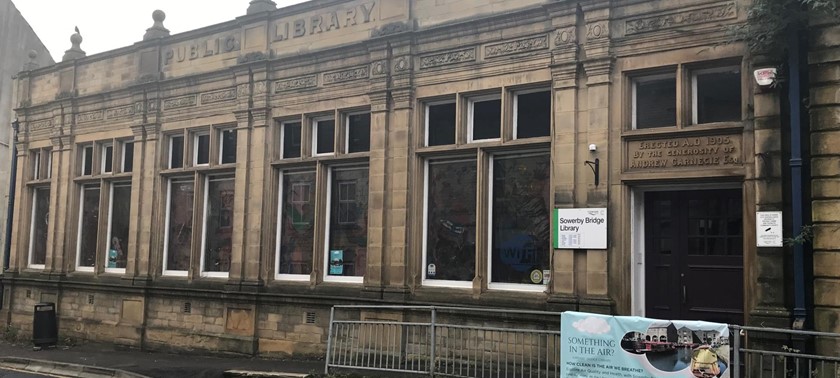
257,6
75,51
157,30
32,64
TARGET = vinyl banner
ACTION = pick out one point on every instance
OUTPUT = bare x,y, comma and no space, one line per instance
601,346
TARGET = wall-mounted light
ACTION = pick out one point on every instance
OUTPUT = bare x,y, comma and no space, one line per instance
596,169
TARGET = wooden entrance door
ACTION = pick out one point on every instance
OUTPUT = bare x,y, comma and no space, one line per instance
694,255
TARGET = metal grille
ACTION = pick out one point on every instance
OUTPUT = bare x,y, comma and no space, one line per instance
782,353
450,342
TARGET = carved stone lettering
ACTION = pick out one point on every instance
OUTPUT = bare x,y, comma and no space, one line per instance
347,75
295,83
716,151
515,47
201,48
123,111
89,116
451,57
179,102
718,12
218,96
326,22
40,125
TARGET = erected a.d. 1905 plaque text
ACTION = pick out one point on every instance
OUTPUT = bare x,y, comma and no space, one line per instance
688,152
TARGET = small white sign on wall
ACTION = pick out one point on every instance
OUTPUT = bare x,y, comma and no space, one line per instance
768,229
584,228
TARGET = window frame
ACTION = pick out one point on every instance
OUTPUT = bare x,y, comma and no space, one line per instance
707,70
82,188
110,223
346,117
123,160
634,80
167,216
103,157
204,219
32,216
427,127
325,252
196,136
314,123
287,277
87,149
515,111
431,282
282,138
221,134
170,152
471,100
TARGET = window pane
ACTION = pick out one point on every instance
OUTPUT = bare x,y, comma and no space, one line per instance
176,149
533,115
128,157
89,226
656,103
202,149
291,140
358,135
521,224
180,225
487,118
108,159
219,223
40,227
87,164
450,217
118,229
719,96
325,137
347,254
228,146
297,232
441,124
36,164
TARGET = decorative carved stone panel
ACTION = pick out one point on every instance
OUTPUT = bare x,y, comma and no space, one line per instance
718,12
516,47
310,81
447,58
218,96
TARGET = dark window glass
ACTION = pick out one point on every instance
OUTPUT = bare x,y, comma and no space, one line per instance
40,226
450,222
486,119
108,159
521,225
325,137
228,146
441,124
358,133
118,229
347,255
176,150
36,164
180,225
291,140
87,164
202,149
656,103
219,223
719,96
128,157
533,114
297,233
89,229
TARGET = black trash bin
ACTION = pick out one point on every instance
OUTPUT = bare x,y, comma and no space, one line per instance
44,327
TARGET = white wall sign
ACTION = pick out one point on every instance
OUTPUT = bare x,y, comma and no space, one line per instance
580,228
768,229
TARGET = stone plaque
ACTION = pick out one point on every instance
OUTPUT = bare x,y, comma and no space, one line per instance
715,151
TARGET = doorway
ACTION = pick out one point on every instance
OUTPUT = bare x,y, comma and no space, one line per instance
694,255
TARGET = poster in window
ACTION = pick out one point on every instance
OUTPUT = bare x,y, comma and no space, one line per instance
336,262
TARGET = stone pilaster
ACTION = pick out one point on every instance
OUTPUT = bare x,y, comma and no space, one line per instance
377,210
145,192
61,255
22,213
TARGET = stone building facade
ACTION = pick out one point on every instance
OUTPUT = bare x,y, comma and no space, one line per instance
223,188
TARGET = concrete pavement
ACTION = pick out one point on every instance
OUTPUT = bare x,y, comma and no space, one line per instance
106,360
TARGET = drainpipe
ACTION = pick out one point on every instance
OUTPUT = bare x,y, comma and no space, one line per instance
10,210
795,97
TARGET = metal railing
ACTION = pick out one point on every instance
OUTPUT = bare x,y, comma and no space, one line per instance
470,342
782,353
445,341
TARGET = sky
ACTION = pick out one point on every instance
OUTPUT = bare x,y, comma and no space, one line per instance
110,24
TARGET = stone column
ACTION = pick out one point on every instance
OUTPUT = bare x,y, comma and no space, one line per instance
22,212
824,60
145,193
377,212
60,254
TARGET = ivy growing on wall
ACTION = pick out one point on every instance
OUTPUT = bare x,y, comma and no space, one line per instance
770,21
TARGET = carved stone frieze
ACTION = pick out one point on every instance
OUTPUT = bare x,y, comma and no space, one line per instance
356,73
148,78
301,82
447,58
391,28
40,125
567,36
254,56
120,112
379,68
179,102
516,47
260,87
218,96
402,64
242,90
722,11
89,116
597,30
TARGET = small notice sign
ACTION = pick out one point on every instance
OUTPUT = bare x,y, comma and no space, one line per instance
584,228
768,229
